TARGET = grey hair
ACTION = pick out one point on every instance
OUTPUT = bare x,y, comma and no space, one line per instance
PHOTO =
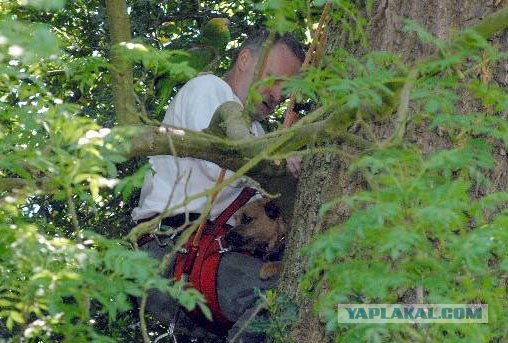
255,41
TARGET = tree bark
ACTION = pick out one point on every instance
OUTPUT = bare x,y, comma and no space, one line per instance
325,177
121,69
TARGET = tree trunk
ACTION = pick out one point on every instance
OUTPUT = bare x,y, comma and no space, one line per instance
121,68
324,177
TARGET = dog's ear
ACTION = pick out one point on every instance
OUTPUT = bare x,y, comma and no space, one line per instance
271,210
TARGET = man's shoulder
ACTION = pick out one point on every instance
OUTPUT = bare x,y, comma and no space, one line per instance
195,103
207,89
206,81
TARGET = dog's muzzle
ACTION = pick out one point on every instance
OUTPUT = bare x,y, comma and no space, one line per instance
234,239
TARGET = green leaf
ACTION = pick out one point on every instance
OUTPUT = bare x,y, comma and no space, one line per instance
45,4
16,317
128,184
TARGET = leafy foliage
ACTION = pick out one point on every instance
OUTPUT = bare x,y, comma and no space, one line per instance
431,219
281,314
58,278
424,219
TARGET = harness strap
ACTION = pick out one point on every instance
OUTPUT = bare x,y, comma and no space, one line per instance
240,200
221,220
202,263
203,277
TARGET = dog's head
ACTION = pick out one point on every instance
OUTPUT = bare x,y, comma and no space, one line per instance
260,228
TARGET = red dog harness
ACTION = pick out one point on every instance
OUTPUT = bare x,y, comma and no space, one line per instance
202,264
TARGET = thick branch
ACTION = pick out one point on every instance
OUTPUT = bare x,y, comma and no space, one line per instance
150,140
143,140
122,78
10,183
493,23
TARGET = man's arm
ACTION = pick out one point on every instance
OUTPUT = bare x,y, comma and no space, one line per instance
229,120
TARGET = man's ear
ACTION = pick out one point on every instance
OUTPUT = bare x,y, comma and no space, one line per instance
244,59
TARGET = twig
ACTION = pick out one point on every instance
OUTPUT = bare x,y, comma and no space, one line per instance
142,308
261,65
403,109
56,72
186,234
177,179
308,16
167,258
10,183
143,116
72,210
310,59
263,59
367,129
319,150
254,313
492,24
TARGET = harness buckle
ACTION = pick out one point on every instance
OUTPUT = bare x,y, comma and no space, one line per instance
157,239
221,247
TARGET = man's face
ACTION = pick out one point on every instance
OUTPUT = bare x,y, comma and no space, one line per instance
281,63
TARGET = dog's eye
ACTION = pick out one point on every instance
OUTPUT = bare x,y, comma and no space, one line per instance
245,219
271,210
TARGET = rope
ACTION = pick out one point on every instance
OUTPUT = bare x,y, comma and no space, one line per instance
311,58
201,227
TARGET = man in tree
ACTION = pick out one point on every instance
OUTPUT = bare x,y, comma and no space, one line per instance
173,178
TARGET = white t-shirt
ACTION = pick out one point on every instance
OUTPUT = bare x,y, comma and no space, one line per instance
172,178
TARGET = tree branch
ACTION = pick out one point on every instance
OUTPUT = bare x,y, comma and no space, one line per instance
9,183
122,76
403,109
145,140
493,23
151,140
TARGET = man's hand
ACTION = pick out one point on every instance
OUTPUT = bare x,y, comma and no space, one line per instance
294,165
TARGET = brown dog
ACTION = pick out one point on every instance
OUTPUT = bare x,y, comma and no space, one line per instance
260,230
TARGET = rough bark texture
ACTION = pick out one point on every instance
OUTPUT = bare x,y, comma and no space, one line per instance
324,177
121,71
317,184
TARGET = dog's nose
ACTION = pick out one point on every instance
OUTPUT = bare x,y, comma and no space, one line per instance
234,238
